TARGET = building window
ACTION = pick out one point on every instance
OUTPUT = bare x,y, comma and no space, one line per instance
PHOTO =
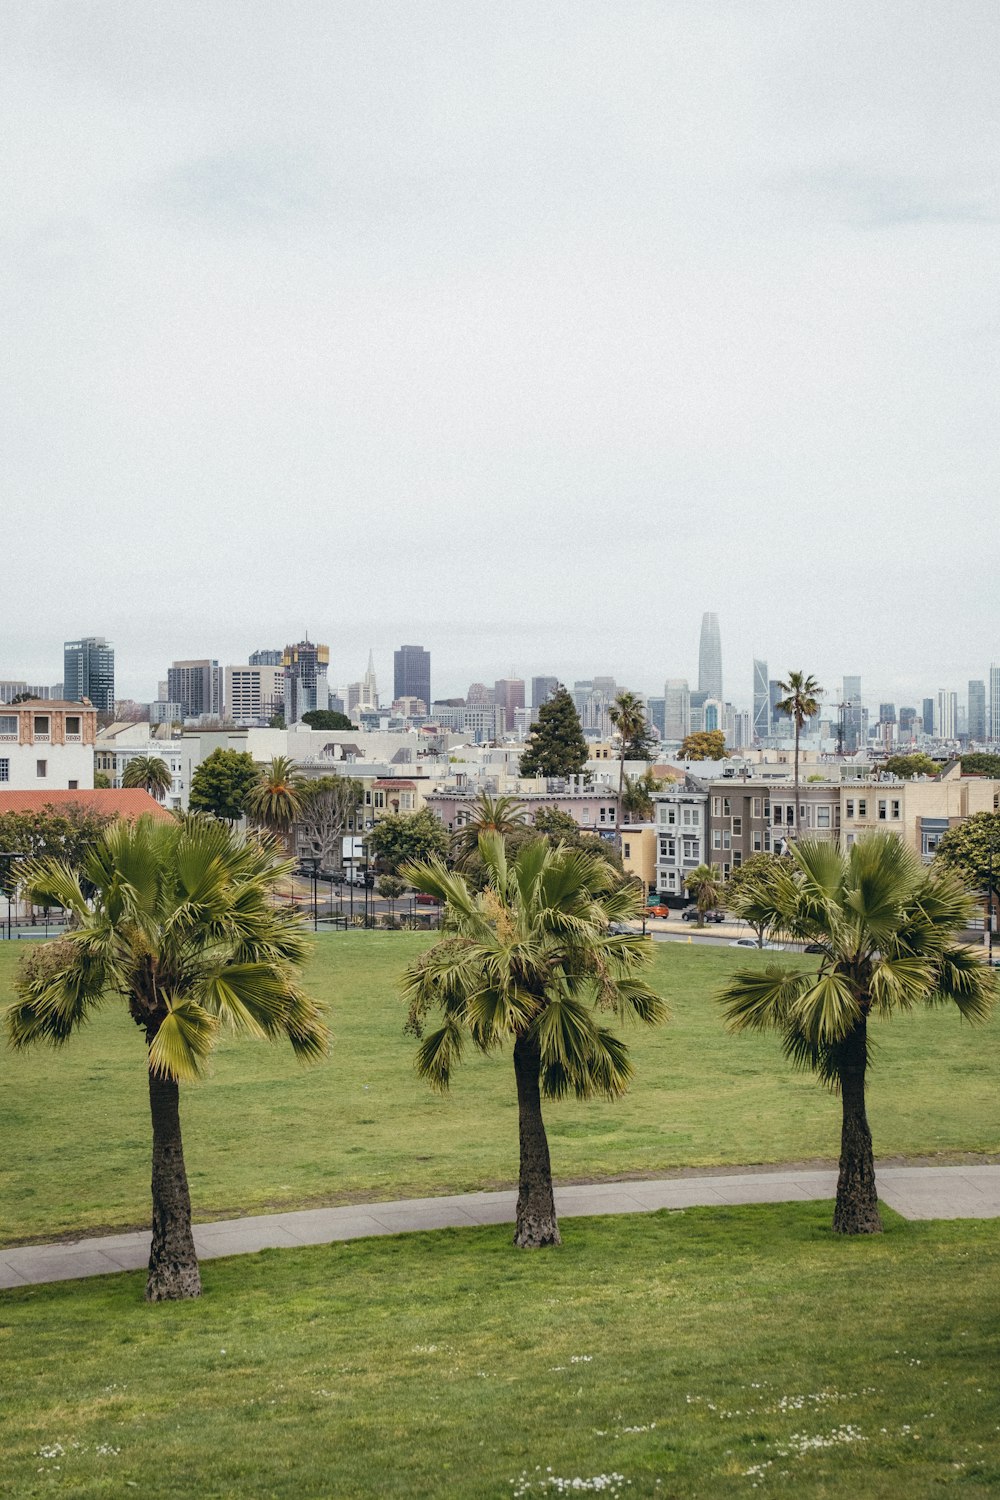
727,839
767,807
822,817
895,807
737,828
756,842
716,838
626,851
716,807
777,814
850,807
727,809
737,859
672,815
725,871
790,816
8,726
4,769
41,768
585,815
756,807
72,785
862,807
883,809
41,726
690,848
72,724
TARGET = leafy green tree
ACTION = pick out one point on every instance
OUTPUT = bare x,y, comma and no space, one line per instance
801,702
705,887
496,814
972,850
750,893
331,807
908,766
64,833
275,800
327,718
222,784
182,925
637,798
556,746
102,781
391,887
628,714
890,929
704,744
402,837
980,764
149,772
529,961
276,721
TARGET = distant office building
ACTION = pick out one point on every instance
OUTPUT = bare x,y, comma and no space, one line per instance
478,695
254,694
542,689
163,712
265,658
16,687
89,672
761,701
508,694
927,716
198,686
887,713
412,673
306,666
995,704
852,689
977,710
656,713
676,709
710,657
369,687
908,719
946,718
743,730
780,723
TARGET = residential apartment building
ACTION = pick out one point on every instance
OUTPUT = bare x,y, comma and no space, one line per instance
681,822
254,694
198,685
920,810
47,745
749,817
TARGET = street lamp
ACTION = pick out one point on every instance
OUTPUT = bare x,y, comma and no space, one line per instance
315,880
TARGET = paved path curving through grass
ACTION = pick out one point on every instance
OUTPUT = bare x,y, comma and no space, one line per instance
966,1192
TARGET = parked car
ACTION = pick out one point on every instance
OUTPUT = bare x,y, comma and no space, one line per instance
423,899
815,948
690,914
657,911
620,929
743,943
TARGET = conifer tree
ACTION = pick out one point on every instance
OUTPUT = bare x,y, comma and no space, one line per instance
557,746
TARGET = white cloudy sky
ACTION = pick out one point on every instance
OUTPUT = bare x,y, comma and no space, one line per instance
528,331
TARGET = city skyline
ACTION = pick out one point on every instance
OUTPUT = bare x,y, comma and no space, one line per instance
714,283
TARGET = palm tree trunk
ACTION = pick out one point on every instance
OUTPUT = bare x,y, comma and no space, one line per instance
797,802
621,784
856,1210
536,1208
173,1262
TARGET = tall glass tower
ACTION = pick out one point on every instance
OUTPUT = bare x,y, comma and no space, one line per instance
89,672
761,701
710,657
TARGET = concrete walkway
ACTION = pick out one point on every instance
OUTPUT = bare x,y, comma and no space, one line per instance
914,1192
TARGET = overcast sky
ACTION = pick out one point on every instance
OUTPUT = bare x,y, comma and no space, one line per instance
525,331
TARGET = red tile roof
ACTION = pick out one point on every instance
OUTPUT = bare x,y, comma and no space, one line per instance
129,802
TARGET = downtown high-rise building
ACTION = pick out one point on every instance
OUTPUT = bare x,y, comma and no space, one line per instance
412,674
761,701
946,715
508,694
676,709
89,672
542,689
977,710
266,658
994,724
198,687
306,666
927,715
710,657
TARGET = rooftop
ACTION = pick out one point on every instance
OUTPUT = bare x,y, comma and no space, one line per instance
130,803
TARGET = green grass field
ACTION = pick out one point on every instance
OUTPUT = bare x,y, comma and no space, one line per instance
263,1133
712,1353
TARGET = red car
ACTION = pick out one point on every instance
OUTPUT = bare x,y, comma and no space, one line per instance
657,911
422,899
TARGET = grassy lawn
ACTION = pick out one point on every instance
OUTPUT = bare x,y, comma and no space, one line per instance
263,1133
715,1352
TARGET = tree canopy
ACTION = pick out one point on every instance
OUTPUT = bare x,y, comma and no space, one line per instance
330,807
628,714
65,833
151,773
967,847
908,766
327,718
222,784
556,746
704,744
403,837
982,763
275,801
751,892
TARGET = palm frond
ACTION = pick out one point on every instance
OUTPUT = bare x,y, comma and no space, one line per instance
964,980
761,999
827,1010
438,1053
57,985
183,1041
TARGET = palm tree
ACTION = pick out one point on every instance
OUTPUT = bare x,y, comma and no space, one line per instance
888,926
150,772
503,815
529,960
799,703
181,926
637,801
275,803
705,884
628,714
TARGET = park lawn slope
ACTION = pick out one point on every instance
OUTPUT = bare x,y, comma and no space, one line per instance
264,1133
712,1352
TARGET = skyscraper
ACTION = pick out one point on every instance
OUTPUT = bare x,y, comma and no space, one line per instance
945,726
761,701
198,686
306,665
542,689
89,672
977,710
412,673
266,658
994,704
927,716
676,709
508,694
710,657
369,687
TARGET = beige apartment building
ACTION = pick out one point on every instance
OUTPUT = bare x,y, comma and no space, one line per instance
920,811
